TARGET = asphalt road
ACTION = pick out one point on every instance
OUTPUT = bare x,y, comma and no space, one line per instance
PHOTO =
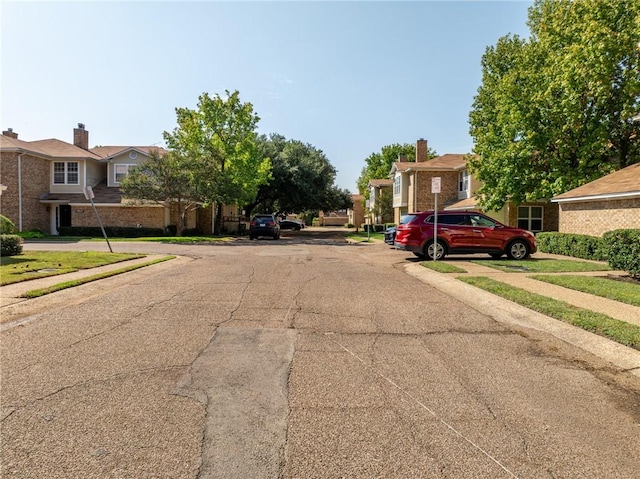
300,358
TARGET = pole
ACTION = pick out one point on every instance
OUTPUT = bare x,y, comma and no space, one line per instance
100,223
435,230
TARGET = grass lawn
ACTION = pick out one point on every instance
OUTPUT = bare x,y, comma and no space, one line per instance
543,265
599,286
154,239
39,264
441,267
362,237
619,331
77,282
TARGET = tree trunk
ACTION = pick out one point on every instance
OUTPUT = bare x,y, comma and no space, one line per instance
217,227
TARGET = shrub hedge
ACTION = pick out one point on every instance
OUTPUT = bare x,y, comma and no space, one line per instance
10,245
578,246
112,231
623,250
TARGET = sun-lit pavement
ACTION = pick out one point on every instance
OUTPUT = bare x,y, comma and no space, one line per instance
306,357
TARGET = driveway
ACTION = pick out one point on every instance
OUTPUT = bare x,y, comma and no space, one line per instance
304,357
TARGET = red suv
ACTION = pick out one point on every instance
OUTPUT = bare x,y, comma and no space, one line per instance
462,232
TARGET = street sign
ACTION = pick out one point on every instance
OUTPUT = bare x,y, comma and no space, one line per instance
435,184
88,193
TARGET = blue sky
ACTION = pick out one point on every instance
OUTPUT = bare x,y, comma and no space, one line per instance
345,77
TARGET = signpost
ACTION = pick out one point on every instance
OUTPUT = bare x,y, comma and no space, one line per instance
88,194
435,189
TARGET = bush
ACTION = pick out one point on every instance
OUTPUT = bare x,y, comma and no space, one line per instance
315,222
112,231
31,234
567,244
623,250
6,226
348,225
10,245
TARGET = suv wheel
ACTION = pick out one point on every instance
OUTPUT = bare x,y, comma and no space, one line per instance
440,250
518,249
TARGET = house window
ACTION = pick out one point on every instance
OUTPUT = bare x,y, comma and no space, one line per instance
396,185
121,171
530,218
66,173
463,185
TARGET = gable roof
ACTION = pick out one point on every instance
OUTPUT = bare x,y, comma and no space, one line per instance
50,148
624,183
107,152
446,162
380,183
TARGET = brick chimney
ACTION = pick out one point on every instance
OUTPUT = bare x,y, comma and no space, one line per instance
81,137
10,133
421,150
402,158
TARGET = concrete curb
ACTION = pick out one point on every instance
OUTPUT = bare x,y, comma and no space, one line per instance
511,313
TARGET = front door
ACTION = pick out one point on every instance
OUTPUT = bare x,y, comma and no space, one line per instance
64,215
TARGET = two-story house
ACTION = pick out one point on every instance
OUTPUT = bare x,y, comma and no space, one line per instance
412,182
44,183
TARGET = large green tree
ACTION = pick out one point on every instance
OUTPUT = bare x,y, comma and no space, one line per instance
302,179
219,140
555,111
378,164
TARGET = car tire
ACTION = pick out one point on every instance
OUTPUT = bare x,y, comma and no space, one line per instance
441,250
251,237
518,249
495,255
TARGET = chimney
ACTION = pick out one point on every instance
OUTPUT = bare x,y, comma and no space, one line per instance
81,137
402,158
10,133
421,150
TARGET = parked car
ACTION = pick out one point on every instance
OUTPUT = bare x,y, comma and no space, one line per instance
290,225
462,232
390,235
264,225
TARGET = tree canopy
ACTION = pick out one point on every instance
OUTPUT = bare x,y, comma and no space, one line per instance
555,111
220,141
301,178
378,164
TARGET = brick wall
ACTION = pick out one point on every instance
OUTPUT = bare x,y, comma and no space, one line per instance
448,189
597,217
128,216
35,182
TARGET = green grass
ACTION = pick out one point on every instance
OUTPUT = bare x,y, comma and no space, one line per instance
33,264
599,286
361,236
441,267
35,293
624,333
153,239
543,265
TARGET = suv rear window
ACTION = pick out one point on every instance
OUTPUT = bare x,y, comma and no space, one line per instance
406,219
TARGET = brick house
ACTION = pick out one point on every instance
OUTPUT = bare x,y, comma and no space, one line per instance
412,191
608,203
43,185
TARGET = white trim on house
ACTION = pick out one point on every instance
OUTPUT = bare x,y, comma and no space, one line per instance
608,196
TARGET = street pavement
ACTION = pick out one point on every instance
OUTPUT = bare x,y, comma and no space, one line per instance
301,358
